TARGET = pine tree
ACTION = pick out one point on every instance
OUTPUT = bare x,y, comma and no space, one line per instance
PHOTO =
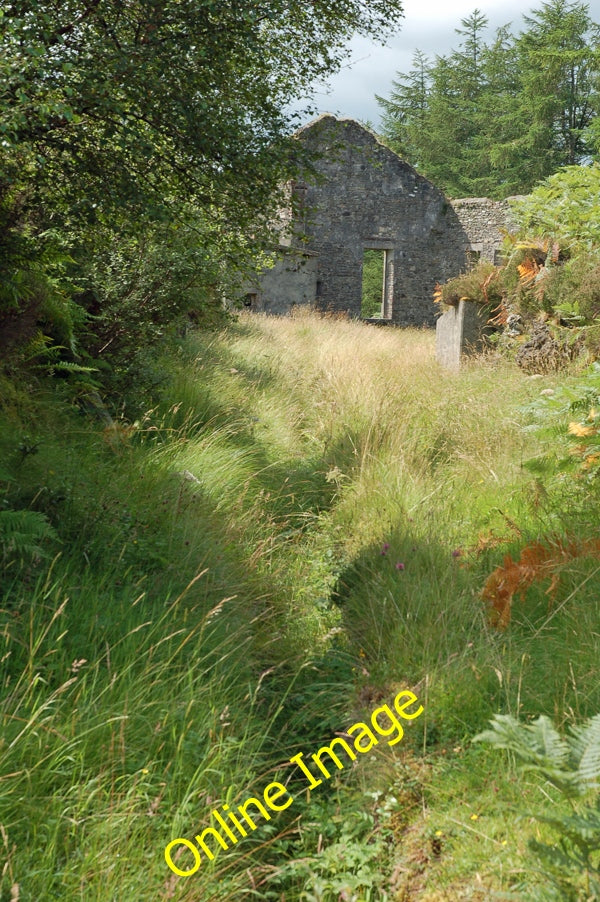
495,118
502,122
559,64
405,113
432,115
451,150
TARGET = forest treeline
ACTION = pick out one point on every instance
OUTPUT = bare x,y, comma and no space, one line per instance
500,113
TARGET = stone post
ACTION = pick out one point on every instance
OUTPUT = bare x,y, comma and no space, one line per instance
459,331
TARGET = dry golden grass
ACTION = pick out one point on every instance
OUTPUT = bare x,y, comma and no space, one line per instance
386,384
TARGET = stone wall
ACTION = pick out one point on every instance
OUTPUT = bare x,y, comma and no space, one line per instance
485,223
290,281
364,196
367,197
459,331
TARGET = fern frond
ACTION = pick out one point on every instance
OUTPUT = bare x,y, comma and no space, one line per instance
534,743
69,366
539,747
584,743
583,830
551,747
22,532
572,765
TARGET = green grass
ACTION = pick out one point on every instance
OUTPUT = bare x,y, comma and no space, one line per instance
221,589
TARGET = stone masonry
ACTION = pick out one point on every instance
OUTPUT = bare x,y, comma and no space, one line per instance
364,196
485,222
459,331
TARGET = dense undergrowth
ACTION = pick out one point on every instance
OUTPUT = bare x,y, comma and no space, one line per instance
547,287
299,527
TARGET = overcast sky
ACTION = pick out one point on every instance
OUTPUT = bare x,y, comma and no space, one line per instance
427,25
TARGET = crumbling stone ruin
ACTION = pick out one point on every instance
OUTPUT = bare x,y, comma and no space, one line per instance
459,331
365,198
485,222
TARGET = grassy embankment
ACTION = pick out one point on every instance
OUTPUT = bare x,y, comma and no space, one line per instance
301,527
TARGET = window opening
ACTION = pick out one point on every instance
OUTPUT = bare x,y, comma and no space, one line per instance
473,256
373,284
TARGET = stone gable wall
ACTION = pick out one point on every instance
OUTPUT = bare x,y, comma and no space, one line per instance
365,196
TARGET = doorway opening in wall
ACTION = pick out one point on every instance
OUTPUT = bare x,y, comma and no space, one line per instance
373,284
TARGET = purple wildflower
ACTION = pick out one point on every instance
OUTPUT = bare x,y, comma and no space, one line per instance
399,566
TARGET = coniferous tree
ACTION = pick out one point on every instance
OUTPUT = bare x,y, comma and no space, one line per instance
502,124
494,118
559,65
405,112
453,155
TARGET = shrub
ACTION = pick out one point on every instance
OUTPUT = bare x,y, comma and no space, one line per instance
552,261
140,283
564,207
572,290
36,306
481,284
569,420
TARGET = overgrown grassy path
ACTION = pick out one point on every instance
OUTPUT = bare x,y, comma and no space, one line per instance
298,530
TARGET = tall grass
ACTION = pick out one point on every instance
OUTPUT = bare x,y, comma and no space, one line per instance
300,525
106,758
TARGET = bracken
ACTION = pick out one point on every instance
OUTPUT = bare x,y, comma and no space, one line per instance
537,561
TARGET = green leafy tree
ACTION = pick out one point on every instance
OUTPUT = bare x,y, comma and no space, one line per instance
144,119
135,102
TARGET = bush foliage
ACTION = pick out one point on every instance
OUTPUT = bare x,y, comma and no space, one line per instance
550,272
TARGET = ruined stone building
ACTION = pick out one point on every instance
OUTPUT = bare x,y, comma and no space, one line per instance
363,198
